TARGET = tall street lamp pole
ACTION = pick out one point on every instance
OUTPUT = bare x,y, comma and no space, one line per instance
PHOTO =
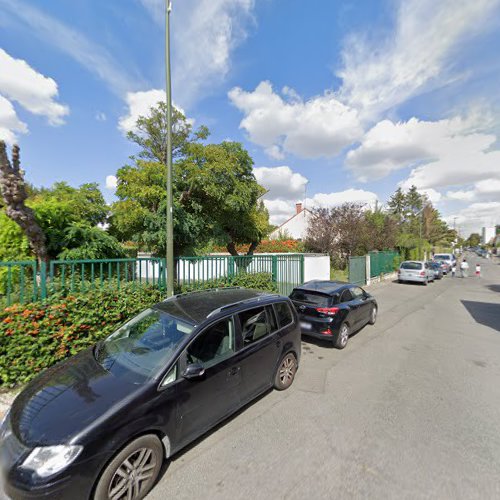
170,221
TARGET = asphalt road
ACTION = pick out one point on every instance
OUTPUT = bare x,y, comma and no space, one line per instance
410,409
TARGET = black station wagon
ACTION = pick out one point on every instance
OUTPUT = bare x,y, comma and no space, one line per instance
100,424
333,310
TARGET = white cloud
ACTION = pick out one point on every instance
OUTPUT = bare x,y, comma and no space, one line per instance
205,33
433,195
10,122
100,116
338,198
140,104
95,58
475,216
37,93
449,152
319,127
380,73
286,188
111,182
281,182
460,195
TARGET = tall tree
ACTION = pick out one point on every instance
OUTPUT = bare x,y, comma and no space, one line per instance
13,190
215,192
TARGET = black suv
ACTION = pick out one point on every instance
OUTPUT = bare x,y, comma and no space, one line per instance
333,310
100,424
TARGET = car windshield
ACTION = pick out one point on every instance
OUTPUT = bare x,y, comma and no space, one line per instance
316,299
442,257
141,348
411,265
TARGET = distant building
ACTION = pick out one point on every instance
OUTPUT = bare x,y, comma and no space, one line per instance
488,233
295,227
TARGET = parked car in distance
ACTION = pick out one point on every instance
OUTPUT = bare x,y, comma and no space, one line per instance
436,268
100,424
445,266
416,271
333,310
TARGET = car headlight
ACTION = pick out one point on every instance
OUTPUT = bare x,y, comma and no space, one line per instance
48,460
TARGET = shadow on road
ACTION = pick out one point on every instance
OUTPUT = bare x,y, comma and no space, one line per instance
485,313
494,288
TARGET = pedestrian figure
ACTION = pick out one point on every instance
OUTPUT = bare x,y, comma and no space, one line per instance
478,270
453,269
464,267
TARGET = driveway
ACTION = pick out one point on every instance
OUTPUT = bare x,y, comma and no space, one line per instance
410,409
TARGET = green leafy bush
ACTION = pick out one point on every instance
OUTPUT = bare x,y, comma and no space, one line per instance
36,336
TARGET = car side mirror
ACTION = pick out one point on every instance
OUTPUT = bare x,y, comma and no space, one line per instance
193,371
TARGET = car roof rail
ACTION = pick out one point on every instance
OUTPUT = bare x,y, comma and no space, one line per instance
242,302
177,295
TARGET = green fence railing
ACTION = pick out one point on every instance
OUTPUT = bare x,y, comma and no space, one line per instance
382,262
357,270
287,270
29,281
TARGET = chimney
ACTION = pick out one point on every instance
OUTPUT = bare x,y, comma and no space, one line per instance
298,207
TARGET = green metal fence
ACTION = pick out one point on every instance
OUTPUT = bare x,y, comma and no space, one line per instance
287,270
382,262
357,270
28,281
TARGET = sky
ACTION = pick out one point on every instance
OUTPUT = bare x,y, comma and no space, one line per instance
336,100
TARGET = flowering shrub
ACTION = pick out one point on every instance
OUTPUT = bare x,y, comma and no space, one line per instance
36,336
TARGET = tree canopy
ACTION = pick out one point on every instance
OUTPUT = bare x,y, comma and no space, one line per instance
215,194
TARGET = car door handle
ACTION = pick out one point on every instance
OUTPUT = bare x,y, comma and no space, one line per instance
234,370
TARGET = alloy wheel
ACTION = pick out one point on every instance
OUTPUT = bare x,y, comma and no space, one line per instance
133,477
374,315
344,334
287,370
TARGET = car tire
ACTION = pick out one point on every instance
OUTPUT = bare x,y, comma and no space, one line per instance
400,281
342,336
285,374
145,454
373,315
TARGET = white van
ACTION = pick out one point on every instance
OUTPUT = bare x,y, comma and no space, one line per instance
449,258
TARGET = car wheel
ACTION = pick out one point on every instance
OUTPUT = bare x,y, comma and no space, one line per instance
342,336
286,372
132,472
373,315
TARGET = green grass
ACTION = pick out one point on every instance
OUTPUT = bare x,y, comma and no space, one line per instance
339,274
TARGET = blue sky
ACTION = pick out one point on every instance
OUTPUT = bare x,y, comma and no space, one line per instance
349,98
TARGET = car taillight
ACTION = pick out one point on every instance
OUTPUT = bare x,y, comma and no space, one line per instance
422,273
329,311
327,332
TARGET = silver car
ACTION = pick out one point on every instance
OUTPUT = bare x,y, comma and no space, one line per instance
415,270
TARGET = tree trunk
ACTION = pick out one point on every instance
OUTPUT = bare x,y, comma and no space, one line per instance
231,248
13,191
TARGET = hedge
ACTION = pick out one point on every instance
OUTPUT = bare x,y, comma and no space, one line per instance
38,335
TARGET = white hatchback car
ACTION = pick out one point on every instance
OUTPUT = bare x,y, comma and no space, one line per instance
415,270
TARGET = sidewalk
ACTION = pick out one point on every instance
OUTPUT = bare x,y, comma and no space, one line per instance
6,400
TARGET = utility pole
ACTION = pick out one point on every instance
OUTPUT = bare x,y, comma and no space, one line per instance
170,220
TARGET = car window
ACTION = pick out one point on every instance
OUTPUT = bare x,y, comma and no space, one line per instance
356,292
283,313
213,345
171,376
313,298
346,296
442,257
142,347
411,265
254,324
272,318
